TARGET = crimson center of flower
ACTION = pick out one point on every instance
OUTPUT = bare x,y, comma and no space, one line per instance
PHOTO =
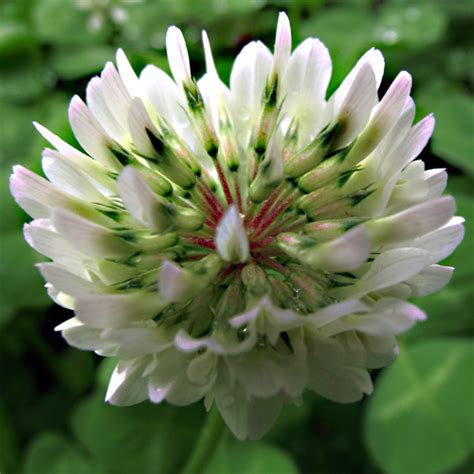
262,222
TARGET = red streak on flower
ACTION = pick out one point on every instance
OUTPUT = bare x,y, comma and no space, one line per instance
261,243
213,205
271,263
274,213
225,184
264,209
202,242
237,193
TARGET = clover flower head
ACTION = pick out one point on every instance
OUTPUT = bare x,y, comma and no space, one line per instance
241,244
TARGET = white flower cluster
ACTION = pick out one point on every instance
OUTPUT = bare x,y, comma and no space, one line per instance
241,244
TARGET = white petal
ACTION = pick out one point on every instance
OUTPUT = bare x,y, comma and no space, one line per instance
282,44
68,177
381,350
116,95
90,238
85,338
261,416
331,377
183,393
136,341
214,92
170,380
419,136
345,253
340,384
354,111
115,310
35,194
304,86
68,324
165,96
413,144
246,418
430,280
175,283
388,269
372,58
201,369
247,82
127,74
185,389
60,298
412,222
65,281
369,351
127,386
335,311
386,153
101,111
231,238
210,65
181,284
268,320
140,200
58,142
393,102
394,266
178,57
77,159
49,243
442,242
264,373
139,122
436,179
89,132
220,342
384,116
389,316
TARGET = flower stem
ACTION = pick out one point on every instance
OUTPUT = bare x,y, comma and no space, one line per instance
206,444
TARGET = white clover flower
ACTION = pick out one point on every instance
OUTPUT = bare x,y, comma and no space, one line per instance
241,244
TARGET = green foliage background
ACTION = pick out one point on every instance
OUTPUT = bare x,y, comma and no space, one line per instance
52,416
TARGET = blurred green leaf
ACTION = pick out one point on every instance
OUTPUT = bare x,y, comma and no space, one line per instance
224,6
8,441
22,80
77,370
16,132
459,7
453,138
17,274
15,37
419,418
414,26
61,22
233,457
291,418
460,64
74,63
52,453
145,438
